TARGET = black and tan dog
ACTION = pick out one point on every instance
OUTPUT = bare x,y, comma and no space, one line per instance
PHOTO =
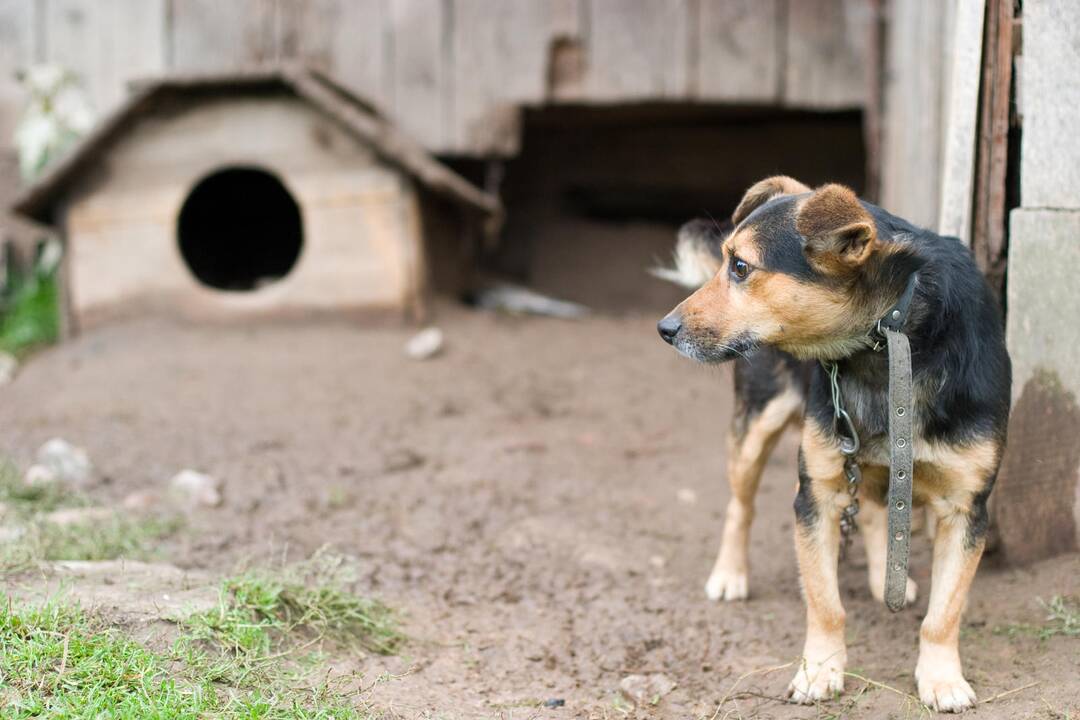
803,276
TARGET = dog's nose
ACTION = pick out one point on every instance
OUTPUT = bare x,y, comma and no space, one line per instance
669,327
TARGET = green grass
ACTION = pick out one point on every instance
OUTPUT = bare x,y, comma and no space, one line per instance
253,656
39,540
263,618
30,313
24,502
114,537
1062,618
58,662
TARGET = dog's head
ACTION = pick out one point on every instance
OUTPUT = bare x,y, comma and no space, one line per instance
793,275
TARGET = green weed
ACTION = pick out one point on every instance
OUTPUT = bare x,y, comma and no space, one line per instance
32,538
1062,618
56,661
30,312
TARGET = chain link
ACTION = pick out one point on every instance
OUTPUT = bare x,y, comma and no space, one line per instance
849,447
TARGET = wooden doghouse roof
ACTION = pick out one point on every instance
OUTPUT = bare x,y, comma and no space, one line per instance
358,117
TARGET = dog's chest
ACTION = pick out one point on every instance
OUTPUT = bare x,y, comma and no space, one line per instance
868,405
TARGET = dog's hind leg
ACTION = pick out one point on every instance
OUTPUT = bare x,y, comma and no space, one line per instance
875,528
750,443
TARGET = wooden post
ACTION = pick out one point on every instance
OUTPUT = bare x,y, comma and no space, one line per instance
988,238
962,115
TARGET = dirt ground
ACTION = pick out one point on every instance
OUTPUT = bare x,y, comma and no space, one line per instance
542,502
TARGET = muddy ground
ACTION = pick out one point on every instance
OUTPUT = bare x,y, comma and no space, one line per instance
542,503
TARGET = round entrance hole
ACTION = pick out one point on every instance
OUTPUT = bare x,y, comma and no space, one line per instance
240,229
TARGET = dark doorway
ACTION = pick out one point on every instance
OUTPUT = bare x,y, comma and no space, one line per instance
240,229
597,193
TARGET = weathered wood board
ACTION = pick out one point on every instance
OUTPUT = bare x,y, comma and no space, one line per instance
211,35
501,53
17,50
913,119
826,51
637,49
738,43
418,95
455,73
110,42
962,113
347,40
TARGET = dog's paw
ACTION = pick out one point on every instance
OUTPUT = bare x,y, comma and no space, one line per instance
941,681
946,693
911,593
816,681
725,585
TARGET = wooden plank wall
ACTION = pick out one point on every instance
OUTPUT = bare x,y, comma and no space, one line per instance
454,72
918,41
18,48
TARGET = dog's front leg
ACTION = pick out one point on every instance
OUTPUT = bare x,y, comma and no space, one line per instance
818,505
958,546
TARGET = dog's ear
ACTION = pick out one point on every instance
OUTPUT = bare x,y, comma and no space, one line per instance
839,232
765,190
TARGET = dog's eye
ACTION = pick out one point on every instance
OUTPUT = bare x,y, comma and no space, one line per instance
739,268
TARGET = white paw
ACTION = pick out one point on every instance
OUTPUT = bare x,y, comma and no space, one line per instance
946,693
911,592
724,585
816,681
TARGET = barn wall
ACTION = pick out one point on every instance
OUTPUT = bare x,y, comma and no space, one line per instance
918,51
360,228
451,71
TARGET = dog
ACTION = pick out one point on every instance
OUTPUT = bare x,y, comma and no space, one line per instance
801,277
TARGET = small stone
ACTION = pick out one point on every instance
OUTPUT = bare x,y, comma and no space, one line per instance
657,561
141,500
196,488
8,366
686,496
554,702
79,516
646,689
70,463
39,476
425,344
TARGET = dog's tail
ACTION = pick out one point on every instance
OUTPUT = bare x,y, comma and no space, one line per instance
697,256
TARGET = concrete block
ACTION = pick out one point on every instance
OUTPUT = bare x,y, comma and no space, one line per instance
1050,153
1044,305
1037,500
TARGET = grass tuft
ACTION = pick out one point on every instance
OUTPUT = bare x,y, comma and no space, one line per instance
23,501
262,616
1063,618
56,661
34,539
30,312
109,539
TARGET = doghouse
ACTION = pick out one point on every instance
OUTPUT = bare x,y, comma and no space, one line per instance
279,191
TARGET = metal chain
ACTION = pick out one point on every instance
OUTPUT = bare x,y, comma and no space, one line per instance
849,447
